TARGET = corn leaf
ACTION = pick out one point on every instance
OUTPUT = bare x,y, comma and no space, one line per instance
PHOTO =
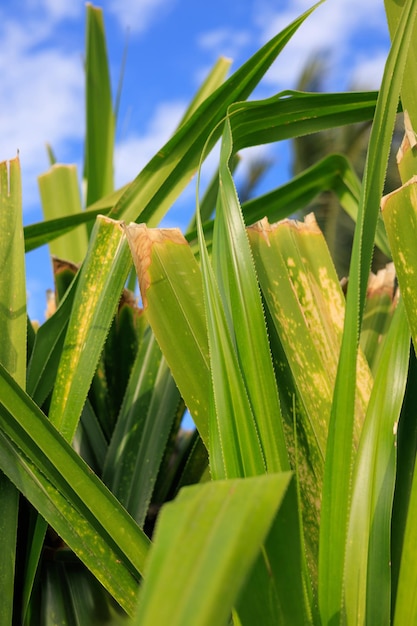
399,209
205,544
170,284
305,307
278,593
368,554
12,356
47,349
338,467
239,290
98,291
67,494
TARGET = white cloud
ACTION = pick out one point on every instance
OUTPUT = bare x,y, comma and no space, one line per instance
133,153
57,9
368,72
224,41
138,15
41,91
332,28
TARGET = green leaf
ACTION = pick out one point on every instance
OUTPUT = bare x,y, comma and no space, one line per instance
12,282
142,430
235,449
399,210
46,353
367,581
39,234
236,277
60,196
205,544
68,495
305,307
338,467
394,10
13,324
170,284
98,291
406,602
100,122
275,592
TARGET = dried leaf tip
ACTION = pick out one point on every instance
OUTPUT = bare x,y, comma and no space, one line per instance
141,240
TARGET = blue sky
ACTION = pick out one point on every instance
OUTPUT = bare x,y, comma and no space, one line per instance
171,46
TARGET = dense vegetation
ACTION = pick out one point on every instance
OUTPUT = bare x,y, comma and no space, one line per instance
294,500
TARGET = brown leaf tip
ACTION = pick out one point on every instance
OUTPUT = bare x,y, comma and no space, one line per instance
141,240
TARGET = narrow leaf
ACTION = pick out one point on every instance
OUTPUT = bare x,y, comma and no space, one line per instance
238,285
98,291
337,479
12,356
367,583
67,494
100,123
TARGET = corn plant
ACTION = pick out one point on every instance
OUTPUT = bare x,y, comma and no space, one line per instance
293,500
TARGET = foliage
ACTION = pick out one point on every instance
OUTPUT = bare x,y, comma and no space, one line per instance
293,501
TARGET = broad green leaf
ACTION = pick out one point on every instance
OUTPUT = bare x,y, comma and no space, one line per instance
171,289
406,440
406,457
293,113
239,290
367,582
338,466
9,499
68,495
60,196
205,544
98,292
100,122
166,175
13,323
305,306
